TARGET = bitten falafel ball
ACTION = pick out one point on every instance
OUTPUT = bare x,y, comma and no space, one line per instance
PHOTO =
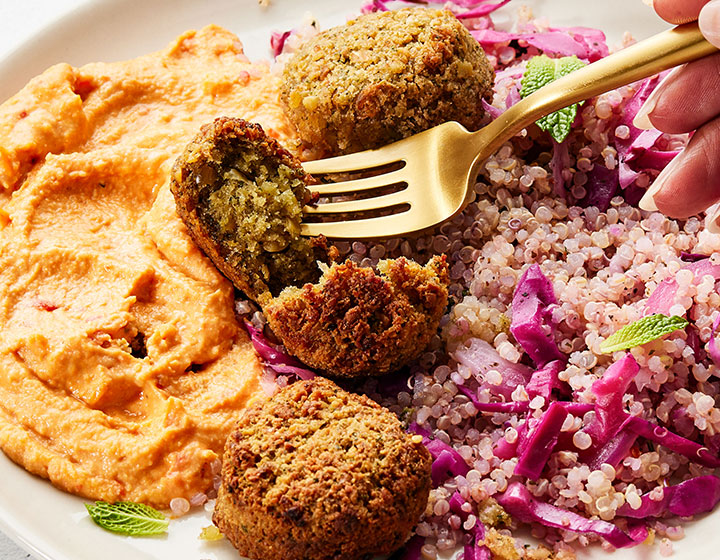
317,473
241,196
385,76
356,322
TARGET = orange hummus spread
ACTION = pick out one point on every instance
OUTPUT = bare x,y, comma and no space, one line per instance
122,365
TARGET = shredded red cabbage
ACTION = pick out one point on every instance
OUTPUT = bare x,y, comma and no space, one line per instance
541,441
411,550
509,407
545,379
481,357
560,161
530,315
468,8
277,41
519,503
602,185
579,41
609,391
692,339
663,297
491,110
693,451
712,345
446,461
472,549
692,257
697,495
275,359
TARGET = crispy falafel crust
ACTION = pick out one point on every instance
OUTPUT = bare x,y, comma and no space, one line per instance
317,473
356,322
241,195
385,76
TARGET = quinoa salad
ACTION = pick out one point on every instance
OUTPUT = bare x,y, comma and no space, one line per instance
533,417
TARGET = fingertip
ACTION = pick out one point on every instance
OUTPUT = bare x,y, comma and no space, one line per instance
709,22
678,12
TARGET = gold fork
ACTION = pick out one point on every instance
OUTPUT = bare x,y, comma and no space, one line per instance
440,165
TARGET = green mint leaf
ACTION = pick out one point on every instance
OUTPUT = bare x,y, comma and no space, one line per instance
128,518
641,332
540,71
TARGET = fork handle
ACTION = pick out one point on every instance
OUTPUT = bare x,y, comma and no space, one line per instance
674,47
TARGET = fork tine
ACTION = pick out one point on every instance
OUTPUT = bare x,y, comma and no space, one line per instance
384,226
375,203
353,162
357,185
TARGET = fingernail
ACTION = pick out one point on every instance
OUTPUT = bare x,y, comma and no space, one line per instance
647,202
642,118
709,22
711,221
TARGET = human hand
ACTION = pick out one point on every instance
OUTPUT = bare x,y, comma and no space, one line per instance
688,99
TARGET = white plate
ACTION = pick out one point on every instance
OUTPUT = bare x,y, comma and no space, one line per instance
53,525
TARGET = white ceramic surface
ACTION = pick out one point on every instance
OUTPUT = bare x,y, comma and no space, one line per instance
35,34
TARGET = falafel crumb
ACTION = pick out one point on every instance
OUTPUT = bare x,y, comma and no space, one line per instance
356,322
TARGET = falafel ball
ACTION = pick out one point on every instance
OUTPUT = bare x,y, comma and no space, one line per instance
385,76
241,196
356,322
317,473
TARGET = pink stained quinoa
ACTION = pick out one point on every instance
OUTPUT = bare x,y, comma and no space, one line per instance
540,203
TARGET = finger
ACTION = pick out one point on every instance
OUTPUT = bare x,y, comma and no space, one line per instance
688,98
709,22
678,11
691,182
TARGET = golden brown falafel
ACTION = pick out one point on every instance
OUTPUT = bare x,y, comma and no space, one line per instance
317,473
241,196
356,322
385,76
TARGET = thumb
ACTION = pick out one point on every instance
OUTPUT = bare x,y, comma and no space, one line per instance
709,22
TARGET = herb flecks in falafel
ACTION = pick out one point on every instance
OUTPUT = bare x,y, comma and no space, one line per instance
241,196
317,473
385,76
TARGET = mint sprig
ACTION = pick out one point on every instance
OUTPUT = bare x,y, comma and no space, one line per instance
540,71
641,332
128,518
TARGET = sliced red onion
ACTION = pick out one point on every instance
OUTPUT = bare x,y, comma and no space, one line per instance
519,503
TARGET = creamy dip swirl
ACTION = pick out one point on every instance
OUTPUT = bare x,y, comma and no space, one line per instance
122,365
